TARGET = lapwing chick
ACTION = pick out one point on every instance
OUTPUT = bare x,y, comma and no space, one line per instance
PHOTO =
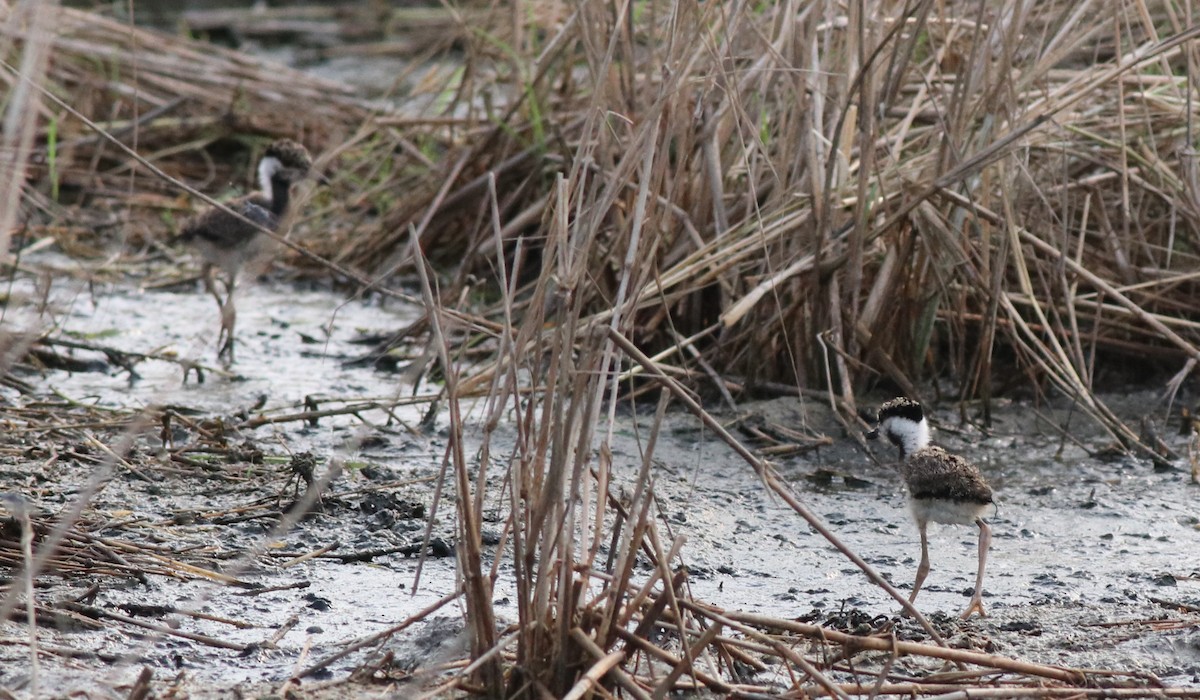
942,487
228,243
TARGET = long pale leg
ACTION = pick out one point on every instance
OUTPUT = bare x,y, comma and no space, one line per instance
985,541
208,273
228,320
923,569
228,312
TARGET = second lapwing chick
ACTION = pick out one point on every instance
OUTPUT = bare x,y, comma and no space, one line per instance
228,244
942,487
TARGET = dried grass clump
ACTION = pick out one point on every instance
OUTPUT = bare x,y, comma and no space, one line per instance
817,195
198,113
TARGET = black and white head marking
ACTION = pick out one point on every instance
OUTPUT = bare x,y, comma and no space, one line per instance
902,421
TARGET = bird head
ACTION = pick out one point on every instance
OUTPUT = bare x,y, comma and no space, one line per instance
902,422
284,160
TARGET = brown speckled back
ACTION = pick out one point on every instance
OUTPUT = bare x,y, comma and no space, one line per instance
932,472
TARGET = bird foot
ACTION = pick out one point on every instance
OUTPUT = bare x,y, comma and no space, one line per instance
225,354
225,346
225,338
976,606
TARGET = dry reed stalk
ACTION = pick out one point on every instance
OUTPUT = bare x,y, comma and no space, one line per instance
991,661
23,104
476,588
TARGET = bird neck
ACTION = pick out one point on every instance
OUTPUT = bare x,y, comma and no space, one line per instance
280,195
275,187
913,437
268,168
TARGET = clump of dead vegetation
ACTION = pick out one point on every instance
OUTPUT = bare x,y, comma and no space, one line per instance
613,196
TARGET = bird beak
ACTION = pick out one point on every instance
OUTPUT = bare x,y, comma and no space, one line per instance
872,435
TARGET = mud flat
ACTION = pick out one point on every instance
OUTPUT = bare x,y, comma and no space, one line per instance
1093,562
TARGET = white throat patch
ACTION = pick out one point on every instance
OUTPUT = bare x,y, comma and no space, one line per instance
912,435
267,167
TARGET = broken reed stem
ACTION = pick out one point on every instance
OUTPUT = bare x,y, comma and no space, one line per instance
94,612
716,685
652,616
620,677
855,642
687,662
592,677
18,504
774,645
468,669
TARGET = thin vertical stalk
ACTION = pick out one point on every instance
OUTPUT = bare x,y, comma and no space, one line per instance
24,107
476,587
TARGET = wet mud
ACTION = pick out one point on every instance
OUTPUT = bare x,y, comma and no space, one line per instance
1095,561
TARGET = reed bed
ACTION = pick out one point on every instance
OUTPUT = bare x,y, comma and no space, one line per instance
615,201
999,197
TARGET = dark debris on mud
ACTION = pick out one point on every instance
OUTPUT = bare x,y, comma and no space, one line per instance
174,499
224,548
